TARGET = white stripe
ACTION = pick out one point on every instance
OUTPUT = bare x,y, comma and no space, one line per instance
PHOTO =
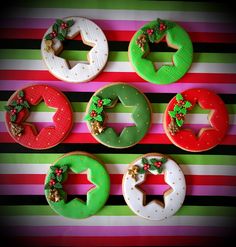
26,64
138,15
119,118
223,170
117,221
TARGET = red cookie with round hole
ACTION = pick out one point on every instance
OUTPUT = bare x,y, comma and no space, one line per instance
207,138
18,111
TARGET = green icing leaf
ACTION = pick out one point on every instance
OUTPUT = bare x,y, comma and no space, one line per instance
26,104
53,168
152,38
98,118
93,107
7,108
153,161
141,171
179,122
144,161
177,108
70,22
64,168
13,118
159,170
95,99
19,108
58,186
187,104
163,160
59,21
183,111
55,27
60,37
59,178
88,118
172,113
152,168
14,103
21,93
179,97
48,37
47,186
106,101
64,32
99,110
52,176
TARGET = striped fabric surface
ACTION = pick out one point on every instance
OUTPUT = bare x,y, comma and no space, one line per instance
208,215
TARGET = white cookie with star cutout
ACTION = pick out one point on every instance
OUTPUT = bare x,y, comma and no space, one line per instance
136,175
69,28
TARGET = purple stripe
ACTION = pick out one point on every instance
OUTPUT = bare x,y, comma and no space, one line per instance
144,87
124,25
116,189
118,231
155,128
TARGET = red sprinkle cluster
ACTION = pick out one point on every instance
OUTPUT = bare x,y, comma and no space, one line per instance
162,27
150,31
146,166
179,116
93,113
158,164
53,34
100,103
64,25
52,182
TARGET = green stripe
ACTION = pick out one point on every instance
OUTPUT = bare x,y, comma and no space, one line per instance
124,4
119,108
118,211
115,56
193,159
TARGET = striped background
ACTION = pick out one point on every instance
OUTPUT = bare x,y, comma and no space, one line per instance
208,214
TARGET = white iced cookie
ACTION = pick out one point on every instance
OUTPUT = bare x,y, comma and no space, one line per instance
69,28
135,198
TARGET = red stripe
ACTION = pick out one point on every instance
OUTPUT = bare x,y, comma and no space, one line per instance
20,33
121,241
88,138
117,179
117,76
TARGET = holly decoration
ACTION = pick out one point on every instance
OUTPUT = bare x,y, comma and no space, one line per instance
153,33
153,165
180,110
54,184
96,109
16,106
59,30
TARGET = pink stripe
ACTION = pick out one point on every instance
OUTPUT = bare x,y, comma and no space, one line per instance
155,128
144,87
82,189
119,230
125,25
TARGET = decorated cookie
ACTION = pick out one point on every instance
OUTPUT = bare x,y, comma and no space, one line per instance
153,32
181,105
69,28
18,110
98,120
77,162
156,164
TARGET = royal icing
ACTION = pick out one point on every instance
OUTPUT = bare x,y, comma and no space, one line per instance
207,138
135,197
129,97
77,162
69,28
176,37
18,111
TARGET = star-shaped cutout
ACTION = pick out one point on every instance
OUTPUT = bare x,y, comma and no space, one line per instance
154,188
72,58
159,59
79,186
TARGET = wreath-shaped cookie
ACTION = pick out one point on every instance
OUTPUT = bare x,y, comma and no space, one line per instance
153,32
182,104
98,120
69,28
18,109
77,162
136,175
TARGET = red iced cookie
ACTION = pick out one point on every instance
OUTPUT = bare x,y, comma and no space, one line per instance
25,133
181,105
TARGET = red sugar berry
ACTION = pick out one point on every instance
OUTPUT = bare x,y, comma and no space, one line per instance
146,166
53,34
100,103
64,25
150,31
93,113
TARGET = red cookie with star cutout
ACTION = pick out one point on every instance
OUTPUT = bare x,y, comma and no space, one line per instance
181,105
23,131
